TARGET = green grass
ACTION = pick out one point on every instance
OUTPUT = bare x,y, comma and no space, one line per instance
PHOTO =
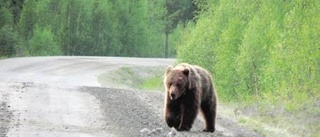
152,83
123,77
142,78
279,116
3,57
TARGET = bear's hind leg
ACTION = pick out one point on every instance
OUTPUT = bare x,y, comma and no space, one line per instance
209,113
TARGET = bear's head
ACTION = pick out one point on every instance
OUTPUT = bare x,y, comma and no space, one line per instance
177,81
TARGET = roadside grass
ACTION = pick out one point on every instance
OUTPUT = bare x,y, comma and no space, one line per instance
271,115
123,77
3,57
141,78
152,83
280,116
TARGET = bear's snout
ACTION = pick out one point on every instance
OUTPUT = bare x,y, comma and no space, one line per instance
172,96
174,93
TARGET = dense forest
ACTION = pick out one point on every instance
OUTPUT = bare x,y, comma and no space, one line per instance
138,28
258,49
265,53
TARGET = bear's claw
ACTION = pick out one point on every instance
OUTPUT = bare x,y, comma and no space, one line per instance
209,130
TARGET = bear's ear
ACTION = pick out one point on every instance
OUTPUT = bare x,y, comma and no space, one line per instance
187,72
169,68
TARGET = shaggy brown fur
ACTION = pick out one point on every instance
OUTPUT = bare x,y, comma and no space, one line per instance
189,88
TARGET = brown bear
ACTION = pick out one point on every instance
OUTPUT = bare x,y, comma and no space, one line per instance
189,88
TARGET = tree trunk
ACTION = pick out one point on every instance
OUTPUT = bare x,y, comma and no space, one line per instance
167,45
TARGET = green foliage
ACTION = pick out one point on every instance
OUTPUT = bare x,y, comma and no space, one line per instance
7,35
259,51
177,12
92,27
43,43
7,41
258,48
27,20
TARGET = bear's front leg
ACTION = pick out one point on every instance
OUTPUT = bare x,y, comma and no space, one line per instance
188,115
172,119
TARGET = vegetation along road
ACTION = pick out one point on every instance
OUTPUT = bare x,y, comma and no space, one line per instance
88,96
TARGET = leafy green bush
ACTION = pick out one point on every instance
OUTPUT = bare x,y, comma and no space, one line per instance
43,43
7,35
258,48
264,54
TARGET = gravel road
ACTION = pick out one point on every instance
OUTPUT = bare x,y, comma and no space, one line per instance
61,96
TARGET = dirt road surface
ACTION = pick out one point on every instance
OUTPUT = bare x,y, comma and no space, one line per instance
61,97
